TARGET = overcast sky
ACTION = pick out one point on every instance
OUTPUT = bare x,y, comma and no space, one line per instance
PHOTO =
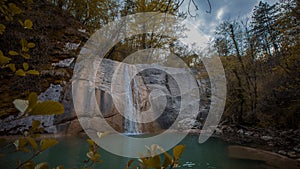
221,10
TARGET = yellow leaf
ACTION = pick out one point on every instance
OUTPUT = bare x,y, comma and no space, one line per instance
167,160
26,55
22,24
33,72
2,29
20,143
21,105
59,167
14,9
28,24
90,141
30,45
129,163
35,124
177,151
46,143
47,108
100,134
153,162
8,18
32,99
25,66
12,67
29,165
25,49
13,53
2,114
3,59
23,42
32,142
42,166
90,154
20,72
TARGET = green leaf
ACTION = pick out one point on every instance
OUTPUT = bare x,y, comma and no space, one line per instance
30,45
20,72
2,29
28,24
25,66
47,143
42,166
47,108
13,53
32,142
12,67
33,72
177,151
21,105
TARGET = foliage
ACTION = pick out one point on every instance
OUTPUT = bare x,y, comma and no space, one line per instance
153,159
9,10
261,60
33,107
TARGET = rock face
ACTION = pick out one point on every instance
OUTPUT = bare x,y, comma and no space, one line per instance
11,126
144,102
141,98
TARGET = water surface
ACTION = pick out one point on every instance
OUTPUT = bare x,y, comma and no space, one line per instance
71,152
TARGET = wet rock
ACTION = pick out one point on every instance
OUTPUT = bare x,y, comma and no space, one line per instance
282,152
64,63
266,138
292,154
52,93
249,133
186,123
297,149
71,46
10,125
218,131
240,131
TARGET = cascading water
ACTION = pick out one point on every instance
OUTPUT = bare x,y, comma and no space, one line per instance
131,109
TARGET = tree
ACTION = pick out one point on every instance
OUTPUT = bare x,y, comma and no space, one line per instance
263,27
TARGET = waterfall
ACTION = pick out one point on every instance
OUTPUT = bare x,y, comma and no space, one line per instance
131,109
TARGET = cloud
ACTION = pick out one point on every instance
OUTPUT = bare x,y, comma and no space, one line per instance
220,13
221,10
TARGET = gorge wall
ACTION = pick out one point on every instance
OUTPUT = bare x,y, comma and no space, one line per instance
149,94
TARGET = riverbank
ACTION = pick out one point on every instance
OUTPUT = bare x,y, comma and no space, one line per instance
283,142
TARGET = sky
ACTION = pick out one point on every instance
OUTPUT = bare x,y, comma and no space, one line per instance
205,23
221,10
